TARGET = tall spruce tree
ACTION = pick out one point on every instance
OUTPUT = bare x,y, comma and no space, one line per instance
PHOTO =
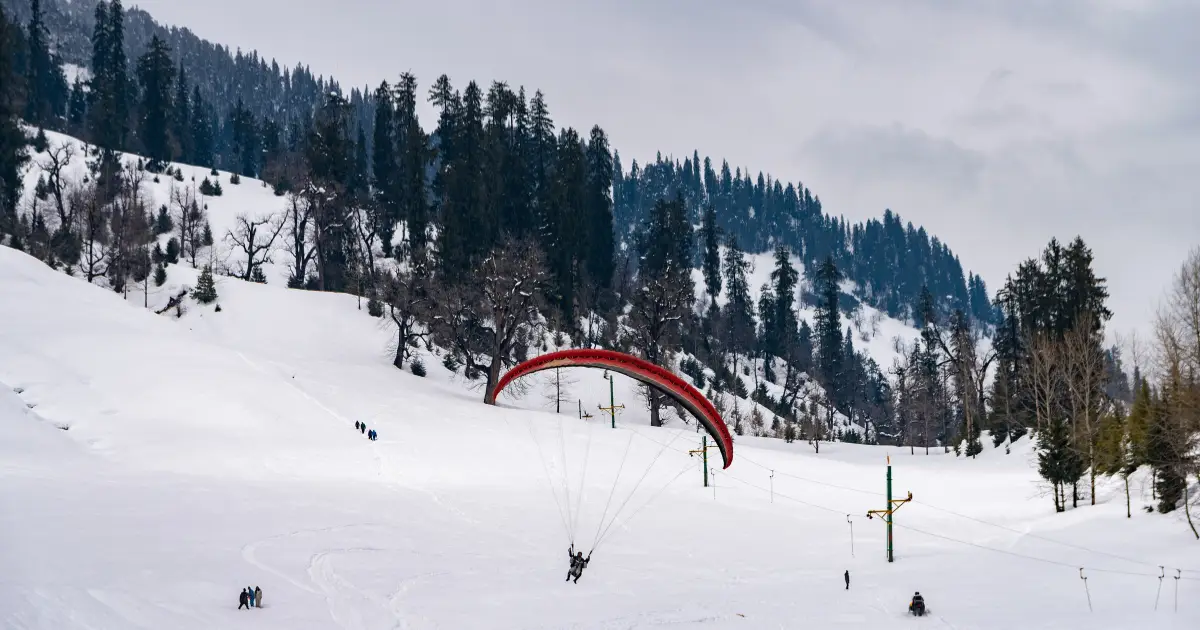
739,306
13,152
599,245
710,238
828,327
156,73
46,84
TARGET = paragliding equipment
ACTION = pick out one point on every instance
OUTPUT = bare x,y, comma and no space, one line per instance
612,401
703,450
641,370
682,392
892,506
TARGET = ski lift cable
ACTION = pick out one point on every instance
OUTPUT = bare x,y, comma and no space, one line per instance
1036,536
965,542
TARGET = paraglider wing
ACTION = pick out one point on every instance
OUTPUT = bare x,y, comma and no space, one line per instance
644,371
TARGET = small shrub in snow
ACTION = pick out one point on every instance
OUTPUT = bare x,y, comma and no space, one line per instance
171,256
235,179
417,367
206,289
374,307
215,173
450,363
40,142
160,276
206,188
178,175
218,309
257,276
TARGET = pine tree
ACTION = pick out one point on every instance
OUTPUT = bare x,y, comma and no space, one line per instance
181,117
108,105
156,73
201,129
711,265
739,306
46,85
206,288
599,246
13,153
828,327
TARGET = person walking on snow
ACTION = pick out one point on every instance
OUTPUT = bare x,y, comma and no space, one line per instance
363,428
257,597
847,579
243,600
250,594
578,562
357,424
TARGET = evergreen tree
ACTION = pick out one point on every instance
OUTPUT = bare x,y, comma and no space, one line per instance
77,108
206,288
201,131
739,306
13,153
781,336
412,154
828,327
599,246
156,73
181,117
711,265
46,85
108,106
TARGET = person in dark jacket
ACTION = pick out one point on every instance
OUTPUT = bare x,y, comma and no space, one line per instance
363,428
257,597
243,600
578,562
847,579
917,607
357,425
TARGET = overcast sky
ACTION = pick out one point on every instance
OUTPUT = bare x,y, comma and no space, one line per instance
996,124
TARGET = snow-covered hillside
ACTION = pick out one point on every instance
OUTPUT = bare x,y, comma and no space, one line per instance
152,467
876,334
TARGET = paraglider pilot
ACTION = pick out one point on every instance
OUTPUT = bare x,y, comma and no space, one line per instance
578,562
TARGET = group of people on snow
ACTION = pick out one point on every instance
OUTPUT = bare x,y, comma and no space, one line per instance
362,428
250,598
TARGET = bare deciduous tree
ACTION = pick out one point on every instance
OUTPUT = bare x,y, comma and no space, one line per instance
298,222
490,321
254,238
409,302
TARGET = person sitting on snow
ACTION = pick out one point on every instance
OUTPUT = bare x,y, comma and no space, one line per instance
917,606
578,562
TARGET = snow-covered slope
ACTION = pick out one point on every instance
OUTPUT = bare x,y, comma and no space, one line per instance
152,467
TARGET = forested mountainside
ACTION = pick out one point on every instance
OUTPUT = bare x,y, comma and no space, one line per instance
241,112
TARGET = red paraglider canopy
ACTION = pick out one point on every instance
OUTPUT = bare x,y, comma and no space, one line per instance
641,370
